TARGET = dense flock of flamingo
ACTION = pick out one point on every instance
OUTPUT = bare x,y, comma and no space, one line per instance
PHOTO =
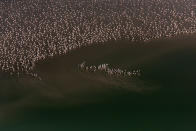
33,30
106,69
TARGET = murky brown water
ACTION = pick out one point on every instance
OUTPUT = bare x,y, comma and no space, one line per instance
162,98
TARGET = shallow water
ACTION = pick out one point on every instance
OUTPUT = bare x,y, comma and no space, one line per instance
162,98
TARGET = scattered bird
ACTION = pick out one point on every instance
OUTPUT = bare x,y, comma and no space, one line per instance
104,68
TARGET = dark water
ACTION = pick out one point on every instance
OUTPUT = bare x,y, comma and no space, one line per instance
162,98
